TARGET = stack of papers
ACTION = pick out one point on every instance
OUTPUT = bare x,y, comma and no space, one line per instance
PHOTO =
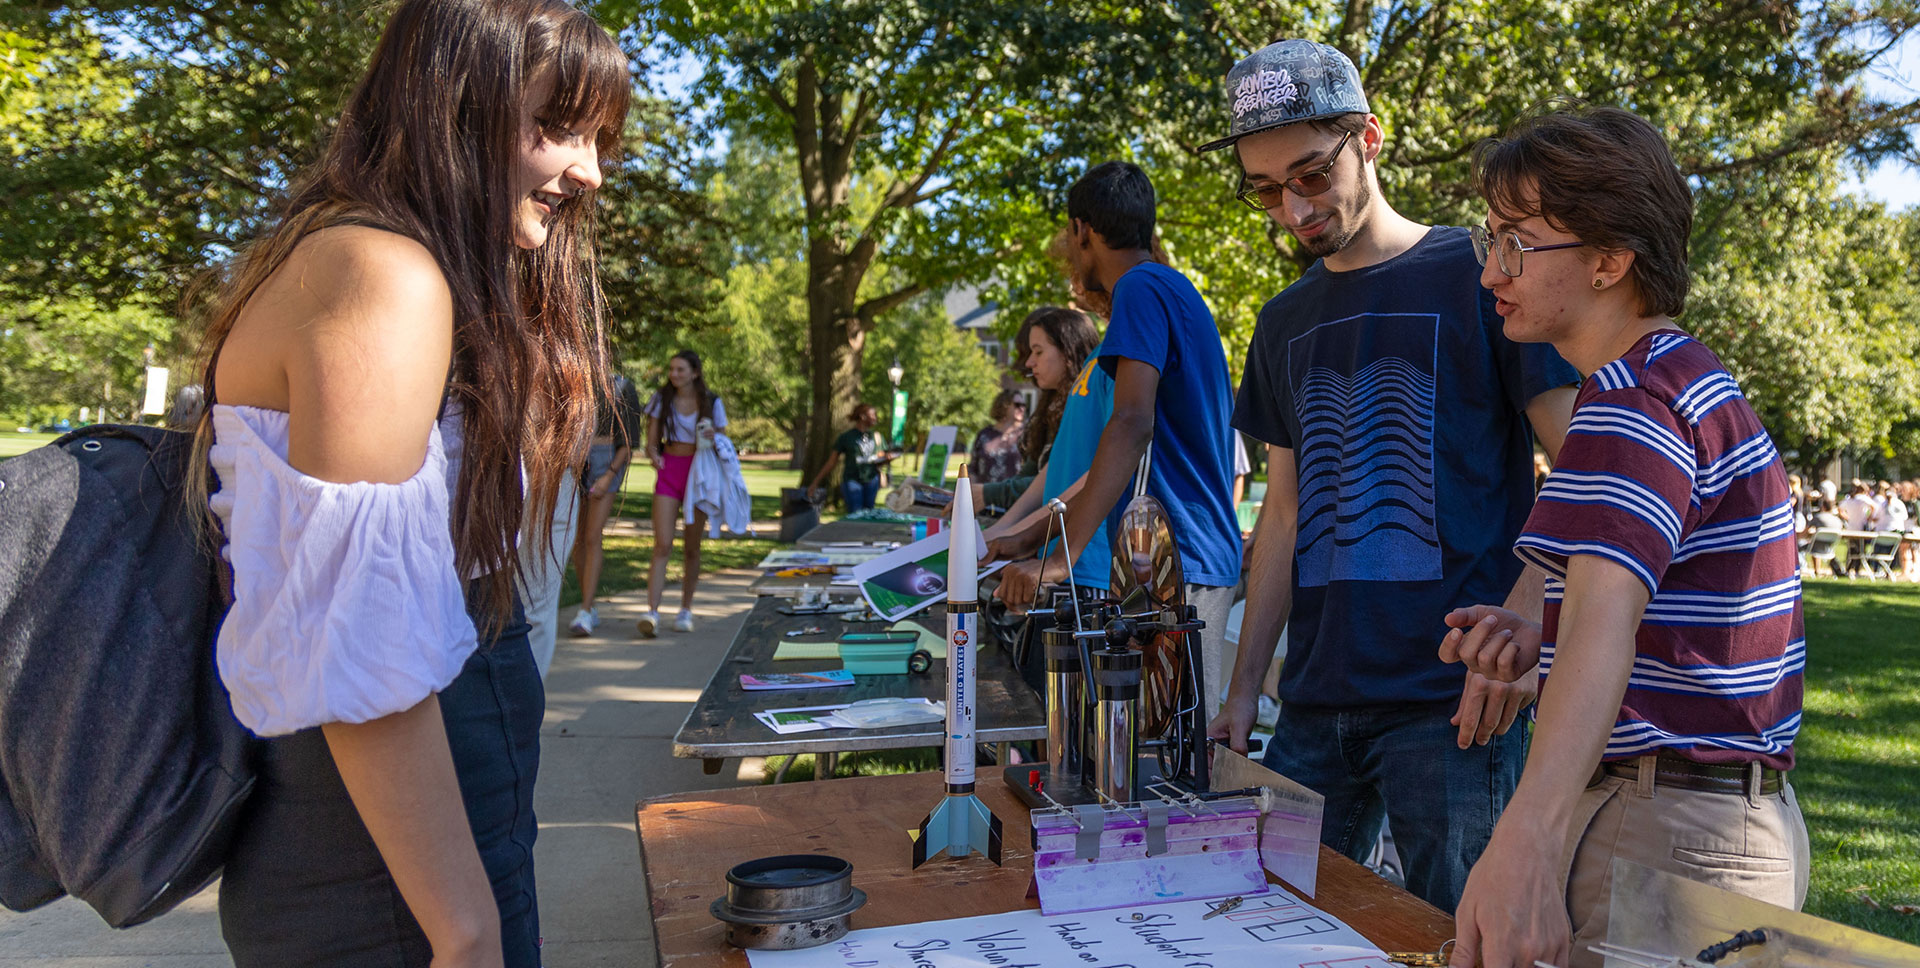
796,680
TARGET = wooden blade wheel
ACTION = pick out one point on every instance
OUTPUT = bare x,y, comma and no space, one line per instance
1145,557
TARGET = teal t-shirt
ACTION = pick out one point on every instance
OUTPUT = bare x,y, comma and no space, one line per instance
1089,404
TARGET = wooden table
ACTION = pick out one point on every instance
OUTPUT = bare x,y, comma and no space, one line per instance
844,531
689,841
721,724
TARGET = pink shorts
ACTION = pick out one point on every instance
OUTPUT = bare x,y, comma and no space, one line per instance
672,481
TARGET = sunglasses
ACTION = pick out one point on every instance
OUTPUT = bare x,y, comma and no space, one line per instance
1262,198
1507,250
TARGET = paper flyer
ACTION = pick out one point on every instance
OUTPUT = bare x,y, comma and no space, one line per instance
905,580
1274,930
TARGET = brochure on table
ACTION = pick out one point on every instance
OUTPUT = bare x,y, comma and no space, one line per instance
906,580
1274,930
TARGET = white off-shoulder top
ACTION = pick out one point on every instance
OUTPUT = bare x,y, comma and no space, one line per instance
347,605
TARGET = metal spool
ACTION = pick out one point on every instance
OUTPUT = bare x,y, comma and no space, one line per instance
790,901
1146,558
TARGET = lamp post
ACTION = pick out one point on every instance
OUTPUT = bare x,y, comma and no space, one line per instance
899,428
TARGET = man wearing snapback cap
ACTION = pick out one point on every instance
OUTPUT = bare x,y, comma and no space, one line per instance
1399,422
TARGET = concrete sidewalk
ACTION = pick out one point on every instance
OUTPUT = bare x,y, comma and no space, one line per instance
613,704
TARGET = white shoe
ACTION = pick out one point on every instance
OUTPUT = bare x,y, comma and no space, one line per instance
648,623
684,621
583,622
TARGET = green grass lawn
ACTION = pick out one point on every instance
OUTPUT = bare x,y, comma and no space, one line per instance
14,444
1858,754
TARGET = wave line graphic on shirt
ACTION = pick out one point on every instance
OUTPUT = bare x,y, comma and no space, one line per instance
1364,388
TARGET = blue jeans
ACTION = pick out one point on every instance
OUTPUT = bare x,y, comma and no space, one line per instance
304,885
1401,761
859,495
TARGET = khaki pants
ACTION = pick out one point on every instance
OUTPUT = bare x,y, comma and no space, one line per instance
1755,847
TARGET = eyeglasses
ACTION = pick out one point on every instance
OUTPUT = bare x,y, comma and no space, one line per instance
1507,249
1260,198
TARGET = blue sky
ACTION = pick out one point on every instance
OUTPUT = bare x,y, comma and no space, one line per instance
1896,183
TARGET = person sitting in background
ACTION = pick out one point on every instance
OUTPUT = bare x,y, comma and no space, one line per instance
1858,511
1824,518
1908,494
1889,512
864,452
995,454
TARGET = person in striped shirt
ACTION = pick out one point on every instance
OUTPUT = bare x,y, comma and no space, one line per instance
1671,648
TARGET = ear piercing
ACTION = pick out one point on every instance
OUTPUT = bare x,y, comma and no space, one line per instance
1599,284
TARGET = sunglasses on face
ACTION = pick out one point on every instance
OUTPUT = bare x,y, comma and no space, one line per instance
1261,198
1507,250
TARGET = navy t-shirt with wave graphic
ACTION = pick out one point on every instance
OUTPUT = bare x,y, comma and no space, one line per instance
1404,405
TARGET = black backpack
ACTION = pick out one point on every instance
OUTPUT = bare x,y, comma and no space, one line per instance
122,768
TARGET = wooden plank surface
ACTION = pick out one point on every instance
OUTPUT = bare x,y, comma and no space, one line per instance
689,841
721,723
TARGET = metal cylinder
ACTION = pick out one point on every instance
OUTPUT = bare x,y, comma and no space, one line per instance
1066,704
1116,693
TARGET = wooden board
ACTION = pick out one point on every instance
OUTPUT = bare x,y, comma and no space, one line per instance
721,723
689,841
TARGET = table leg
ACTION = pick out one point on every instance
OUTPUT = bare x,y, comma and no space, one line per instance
1000,754
711,766
824,765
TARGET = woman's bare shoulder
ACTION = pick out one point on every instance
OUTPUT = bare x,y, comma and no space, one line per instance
352,335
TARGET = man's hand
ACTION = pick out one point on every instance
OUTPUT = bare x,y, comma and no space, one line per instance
1020,583
1492,641
1488,708
1514,908
1014,544
1234,721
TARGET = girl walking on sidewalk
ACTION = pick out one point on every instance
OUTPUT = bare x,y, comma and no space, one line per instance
682,415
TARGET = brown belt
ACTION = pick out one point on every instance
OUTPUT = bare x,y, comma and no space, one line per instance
1673,771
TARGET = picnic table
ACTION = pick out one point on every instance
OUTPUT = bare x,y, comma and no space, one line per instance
689,841
721,724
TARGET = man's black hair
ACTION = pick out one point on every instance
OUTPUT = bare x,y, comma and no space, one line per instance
1115,199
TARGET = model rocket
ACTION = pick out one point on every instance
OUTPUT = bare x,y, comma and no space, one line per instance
960,824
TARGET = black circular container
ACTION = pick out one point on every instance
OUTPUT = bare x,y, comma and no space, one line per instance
789,901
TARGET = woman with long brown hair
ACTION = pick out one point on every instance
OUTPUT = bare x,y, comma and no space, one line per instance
419,329
682,414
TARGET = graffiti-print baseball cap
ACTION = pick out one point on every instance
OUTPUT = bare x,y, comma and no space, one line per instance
1287,83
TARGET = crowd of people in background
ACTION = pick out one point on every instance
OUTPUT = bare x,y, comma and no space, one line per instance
1881,507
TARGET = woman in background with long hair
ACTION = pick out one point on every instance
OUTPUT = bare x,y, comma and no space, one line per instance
682,413
420,328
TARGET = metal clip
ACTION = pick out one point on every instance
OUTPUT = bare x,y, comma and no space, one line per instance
1225,906
1422,959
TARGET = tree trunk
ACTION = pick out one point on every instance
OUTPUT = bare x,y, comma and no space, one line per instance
835,341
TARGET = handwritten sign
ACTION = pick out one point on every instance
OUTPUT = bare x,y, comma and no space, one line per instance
1274,930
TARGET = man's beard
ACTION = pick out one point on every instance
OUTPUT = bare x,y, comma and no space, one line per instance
1331,242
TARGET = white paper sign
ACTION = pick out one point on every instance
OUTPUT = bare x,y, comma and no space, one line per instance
156,402
1275,930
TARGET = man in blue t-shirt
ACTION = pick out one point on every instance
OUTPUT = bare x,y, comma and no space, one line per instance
1170,391
1399,471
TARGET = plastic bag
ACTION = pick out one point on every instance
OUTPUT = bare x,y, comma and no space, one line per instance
878,713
